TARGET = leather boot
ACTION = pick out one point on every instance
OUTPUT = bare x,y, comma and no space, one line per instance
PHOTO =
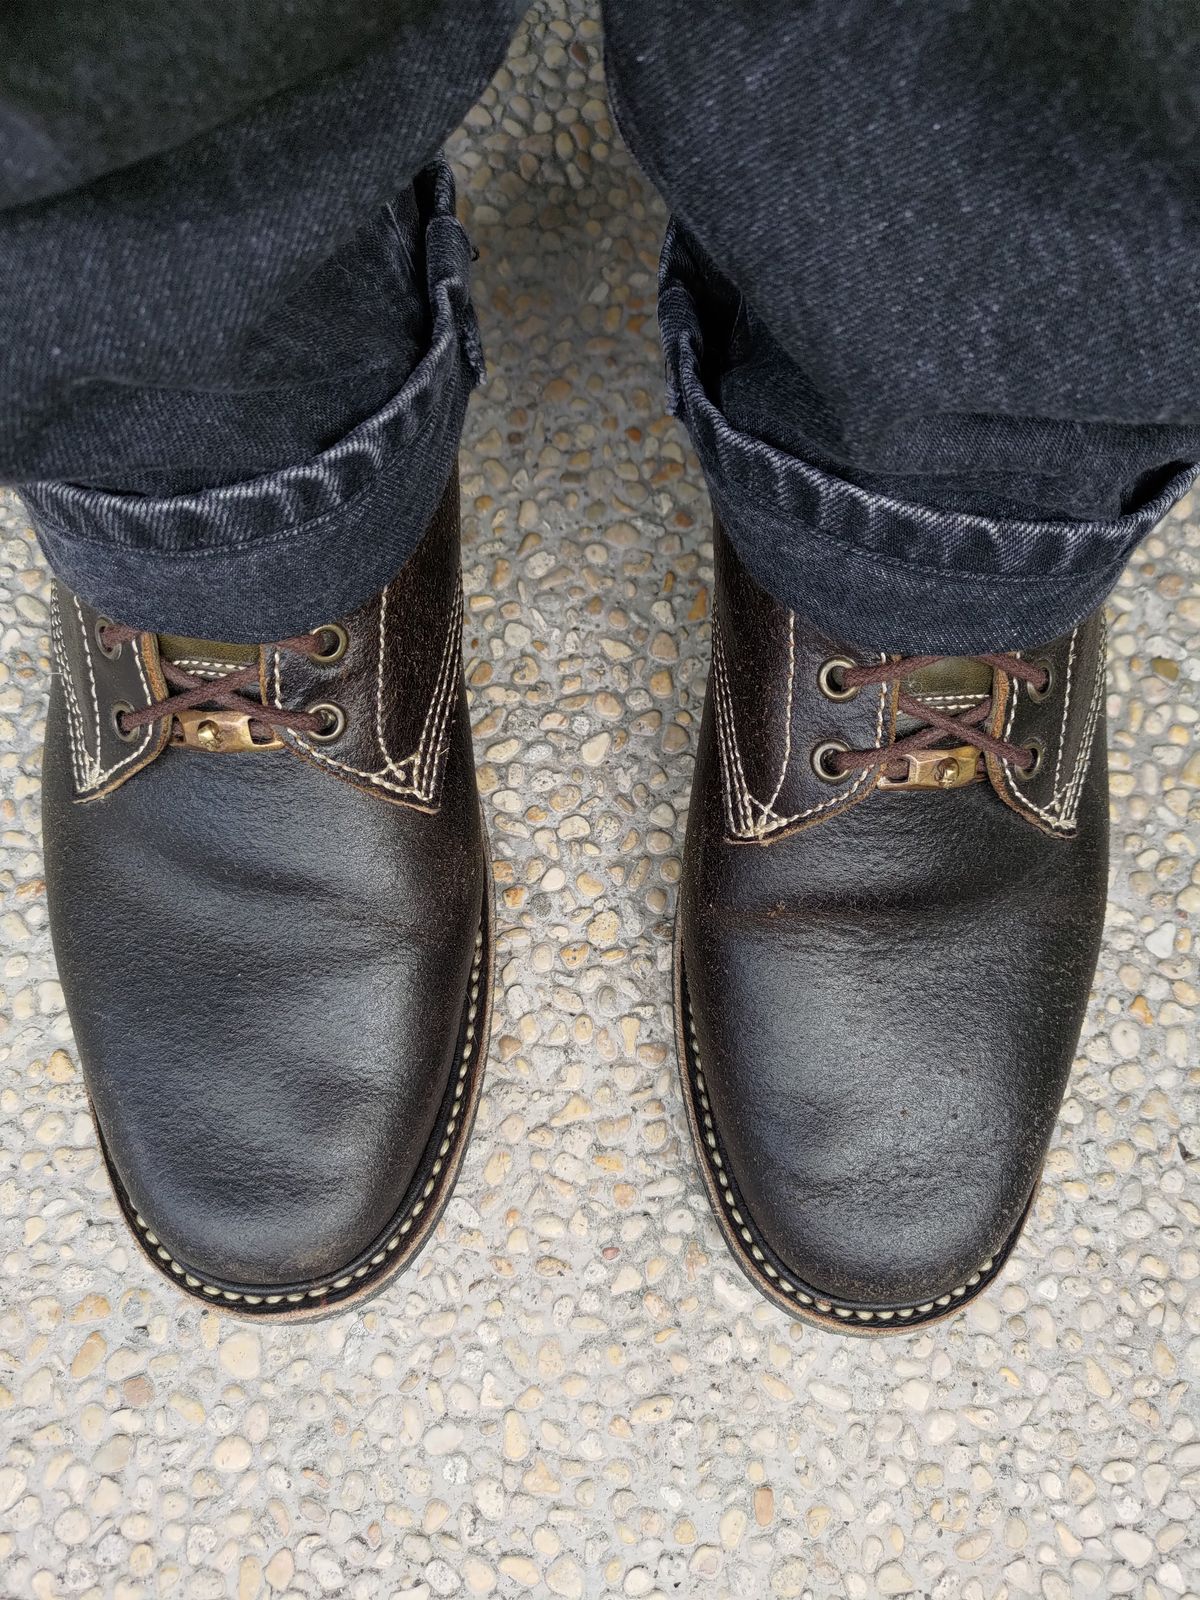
269,898
892,900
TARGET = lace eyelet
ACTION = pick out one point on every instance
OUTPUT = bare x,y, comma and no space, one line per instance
110,652
339,643
820,760
121,708
334,718
1038,695
828,679
1036,751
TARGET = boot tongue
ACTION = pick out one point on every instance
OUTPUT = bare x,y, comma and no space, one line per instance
205,658
952,685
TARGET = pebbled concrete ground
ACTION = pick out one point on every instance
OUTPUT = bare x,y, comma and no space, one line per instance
576,1394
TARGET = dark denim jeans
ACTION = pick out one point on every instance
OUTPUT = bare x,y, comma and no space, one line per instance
929,306
265,557
858,559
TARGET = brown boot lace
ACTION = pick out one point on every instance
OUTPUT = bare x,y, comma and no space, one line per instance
235,691
938,725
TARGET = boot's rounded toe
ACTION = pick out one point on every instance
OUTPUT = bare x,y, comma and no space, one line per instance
872,1241
875,1200
238,1209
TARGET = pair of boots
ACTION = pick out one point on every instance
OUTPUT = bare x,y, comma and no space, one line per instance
271,909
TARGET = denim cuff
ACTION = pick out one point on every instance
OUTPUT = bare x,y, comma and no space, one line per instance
278,554
863,567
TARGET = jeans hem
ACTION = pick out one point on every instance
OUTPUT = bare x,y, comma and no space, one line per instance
864,567
282,552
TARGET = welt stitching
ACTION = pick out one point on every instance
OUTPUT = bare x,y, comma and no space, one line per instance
370,1267
747,1231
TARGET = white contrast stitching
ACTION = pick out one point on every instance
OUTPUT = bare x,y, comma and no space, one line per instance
751,1238
737,810
771,822
368,1269
75,734
1060,812
97,776
87,651
391,765
437,717
745,801
358,772
769,807
1093,721
412,769
719,725
730,791
951,702
390,762
103,776
1062,729
196,664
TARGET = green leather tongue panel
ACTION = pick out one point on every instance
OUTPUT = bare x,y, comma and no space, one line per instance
174,647
953,685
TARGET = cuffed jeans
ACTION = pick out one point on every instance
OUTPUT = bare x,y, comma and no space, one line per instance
929,304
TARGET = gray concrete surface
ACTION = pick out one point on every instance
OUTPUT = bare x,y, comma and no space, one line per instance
575,1393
